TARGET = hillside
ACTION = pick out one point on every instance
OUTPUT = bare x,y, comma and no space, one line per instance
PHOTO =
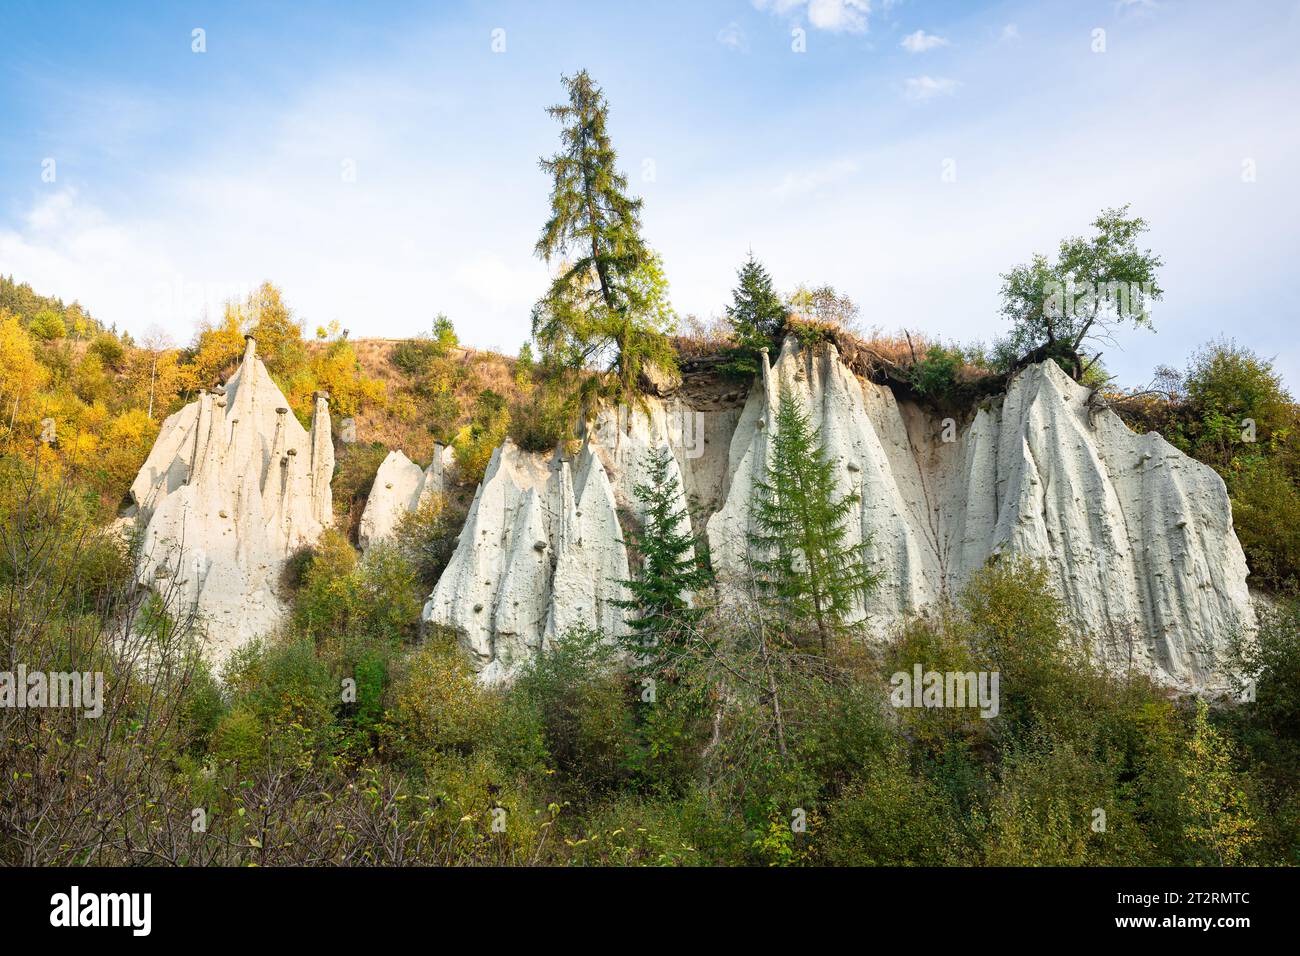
488,665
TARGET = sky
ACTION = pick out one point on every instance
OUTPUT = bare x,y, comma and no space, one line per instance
378,162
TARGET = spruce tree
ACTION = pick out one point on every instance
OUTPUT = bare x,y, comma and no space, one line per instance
799,528
671,571
757,317
756,311
608,303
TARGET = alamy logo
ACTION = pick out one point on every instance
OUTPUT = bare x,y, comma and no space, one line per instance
1081,299
924,688
73,690
103,909
683,429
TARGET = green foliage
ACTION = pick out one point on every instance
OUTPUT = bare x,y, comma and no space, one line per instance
1214,801
936,374
1265,500
1095,285
584,712
822,305
108,348
480,438
800,535
358,613
439,708
280,343
1240,412
660,597
609,303
589,771
1230,410
426,537
1016,622
415,357
444,333
545,410
354,473
18,299
887,816
1040,812
286,686
757,318
47,325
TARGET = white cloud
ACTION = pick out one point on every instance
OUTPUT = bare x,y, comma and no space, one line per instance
375,254
732,37
68,247
1010,32
805,181
920,41
834,16
928,87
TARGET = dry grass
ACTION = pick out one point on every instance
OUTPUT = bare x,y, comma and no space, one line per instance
399,424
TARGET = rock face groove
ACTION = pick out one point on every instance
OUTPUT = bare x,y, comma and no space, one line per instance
231,488
1138,537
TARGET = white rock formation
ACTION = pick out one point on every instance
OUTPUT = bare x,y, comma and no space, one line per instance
400,486
540,553
1138,536
232,486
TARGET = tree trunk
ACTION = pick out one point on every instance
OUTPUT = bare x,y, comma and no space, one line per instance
777,718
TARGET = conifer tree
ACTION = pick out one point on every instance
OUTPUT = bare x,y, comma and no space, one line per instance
756,311
757,316
799,529
671,570
609,302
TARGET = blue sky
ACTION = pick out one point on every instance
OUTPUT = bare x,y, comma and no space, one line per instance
182,177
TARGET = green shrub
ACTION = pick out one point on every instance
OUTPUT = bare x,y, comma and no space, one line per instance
1265,502
935,376
427,536
284,684
479,439
890,817
239,737
354,473
583,704
109,349
1044,811
413,357
351,604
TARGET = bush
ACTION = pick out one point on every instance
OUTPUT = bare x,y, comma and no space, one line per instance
935,376
1265,501
286,686
47,325
414,356
354,473
480,438
438,705
1042,812
109,350
426,538
890,817
582,701
351,604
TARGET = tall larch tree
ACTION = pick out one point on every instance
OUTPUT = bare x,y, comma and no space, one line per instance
608,303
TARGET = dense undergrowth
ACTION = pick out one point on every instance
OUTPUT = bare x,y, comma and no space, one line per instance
351,737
